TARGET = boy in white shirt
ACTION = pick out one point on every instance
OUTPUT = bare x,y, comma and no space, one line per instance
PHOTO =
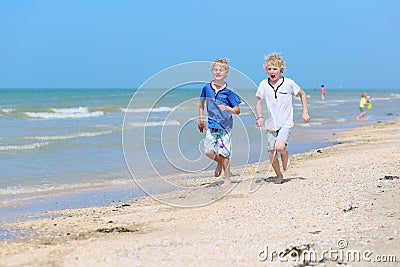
277,92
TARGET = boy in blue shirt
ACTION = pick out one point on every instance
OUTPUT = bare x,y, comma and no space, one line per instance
222,102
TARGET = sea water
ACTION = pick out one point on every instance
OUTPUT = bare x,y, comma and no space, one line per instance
62,140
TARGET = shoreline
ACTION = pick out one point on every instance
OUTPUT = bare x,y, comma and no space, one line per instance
349,191
107,193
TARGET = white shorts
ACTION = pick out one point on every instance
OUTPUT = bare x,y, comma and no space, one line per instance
281,134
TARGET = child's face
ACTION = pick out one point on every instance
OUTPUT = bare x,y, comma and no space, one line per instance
274,72
219,72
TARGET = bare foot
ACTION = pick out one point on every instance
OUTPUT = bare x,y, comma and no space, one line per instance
226,184
218,170
279,180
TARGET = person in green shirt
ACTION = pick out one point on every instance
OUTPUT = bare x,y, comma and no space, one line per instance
363,102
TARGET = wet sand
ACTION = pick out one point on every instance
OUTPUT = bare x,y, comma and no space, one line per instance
344,198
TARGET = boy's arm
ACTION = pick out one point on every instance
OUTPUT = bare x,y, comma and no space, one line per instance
303,97
202,125
234,110
259,119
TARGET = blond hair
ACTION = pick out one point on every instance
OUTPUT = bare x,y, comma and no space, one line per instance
276,60
221,61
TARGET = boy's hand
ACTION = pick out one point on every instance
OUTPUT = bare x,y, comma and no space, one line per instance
259,121
202,126
306,117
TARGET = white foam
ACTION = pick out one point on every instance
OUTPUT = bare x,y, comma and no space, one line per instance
33,189
148,110
395,95
14,190
246,113
71,110
23,147
382,98
63,113
155,123
307,124
341,101
7,110
71,136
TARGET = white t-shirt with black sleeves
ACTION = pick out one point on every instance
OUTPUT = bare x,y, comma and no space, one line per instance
279,102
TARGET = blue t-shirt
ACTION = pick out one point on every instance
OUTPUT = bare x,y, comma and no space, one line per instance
218,119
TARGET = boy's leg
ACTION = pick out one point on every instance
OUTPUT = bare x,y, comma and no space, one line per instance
224,152
217,158
362,114
281,144
227,170
218,169
209,145
281,148
222,163
273,158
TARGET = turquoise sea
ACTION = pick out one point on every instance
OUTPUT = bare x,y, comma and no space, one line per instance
54,142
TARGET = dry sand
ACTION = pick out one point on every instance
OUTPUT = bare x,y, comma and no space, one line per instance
345,198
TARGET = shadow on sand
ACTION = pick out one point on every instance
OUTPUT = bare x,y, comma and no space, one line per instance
272,179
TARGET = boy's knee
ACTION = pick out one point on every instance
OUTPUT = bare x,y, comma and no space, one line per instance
271,153
211,154
280,146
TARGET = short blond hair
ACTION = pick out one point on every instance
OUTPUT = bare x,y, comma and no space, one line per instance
223,62
276,60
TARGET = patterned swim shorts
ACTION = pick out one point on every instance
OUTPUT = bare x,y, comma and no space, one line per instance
219,141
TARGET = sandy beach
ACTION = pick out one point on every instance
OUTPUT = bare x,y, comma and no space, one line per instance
334,201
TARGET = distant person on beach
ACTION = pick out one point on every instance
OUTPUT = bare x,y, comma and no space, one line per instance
323,92
221,103
363,103
277,92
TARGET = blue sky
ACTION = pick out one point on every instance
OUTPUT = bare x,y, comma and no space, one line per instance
352,44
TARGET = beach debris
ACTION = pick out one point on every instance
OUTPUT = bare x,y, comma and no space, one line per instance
315,232
123,205
295,250
350,208
116,230
389,177
319,151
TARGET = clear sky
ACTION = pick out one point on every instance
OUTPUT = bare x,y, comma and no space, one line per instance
351,44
